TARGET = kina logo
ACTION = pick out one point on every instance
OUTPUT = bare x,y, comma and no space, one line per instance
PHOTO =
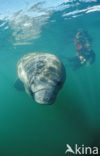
81,150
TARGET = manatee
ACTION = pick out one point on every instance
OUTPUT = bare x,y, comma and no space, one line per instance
43,75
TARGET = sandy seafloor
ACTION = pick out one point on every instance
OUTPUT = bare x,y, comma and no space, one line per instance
31,129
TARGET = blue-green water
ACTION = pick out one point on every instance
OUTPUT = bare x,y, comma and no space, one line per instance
31,129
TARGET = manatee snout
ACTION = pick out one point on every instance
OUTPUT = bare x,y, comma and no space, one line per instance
45,95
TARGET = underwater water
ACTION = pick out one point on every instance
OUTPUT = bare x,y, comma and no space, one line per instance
26,127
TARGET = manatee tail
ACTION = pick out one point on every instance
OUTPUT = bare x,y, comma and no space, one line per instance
19,85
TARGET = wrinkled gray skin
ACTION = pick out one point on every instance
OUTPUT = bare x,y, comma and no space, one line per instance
43,75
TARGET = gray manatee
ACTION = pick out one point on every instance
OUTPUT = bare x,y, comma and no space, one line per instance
42,74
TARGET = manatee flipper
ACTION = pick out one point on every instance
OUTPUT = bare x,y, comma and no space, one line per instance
19,85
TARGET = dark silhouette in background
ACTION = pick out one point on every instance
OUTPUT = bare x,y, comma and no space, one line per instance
84,55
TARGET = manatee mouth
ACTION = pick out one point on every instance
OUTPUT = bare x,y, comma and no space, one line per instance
45,95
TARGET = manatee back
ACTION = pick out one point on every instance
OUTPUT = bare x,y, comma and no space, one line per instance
42,66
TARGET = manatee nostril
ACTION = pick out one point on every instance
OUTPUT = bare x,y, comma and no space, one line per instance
46,98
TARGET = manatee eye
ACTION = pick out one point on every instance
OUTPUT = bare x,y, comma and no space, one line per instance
42,79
